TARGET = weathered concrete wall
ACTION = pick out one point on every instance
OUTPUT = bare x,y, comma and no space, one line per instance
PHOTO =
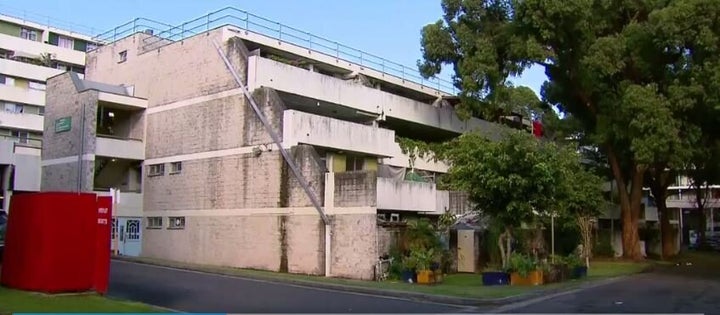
228,182
388,237
64,101
235,241
308,161
354,246
172,73
356,189
63,177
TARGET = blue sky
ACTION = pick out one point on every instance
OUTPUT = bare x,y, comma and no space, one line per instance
387,28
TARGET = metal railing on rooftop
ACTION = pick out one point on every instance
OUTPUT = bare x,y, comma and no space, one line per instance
46,20
275,30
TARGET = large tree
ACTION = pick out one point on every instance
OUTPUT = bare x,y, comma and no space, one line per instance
615,66
508,179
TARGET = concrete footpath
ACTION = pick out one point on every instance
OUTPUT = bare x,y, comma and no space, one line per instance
407,295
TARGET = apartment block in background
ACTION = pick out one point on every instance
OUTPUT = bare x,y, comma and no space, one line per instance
29,54
214,186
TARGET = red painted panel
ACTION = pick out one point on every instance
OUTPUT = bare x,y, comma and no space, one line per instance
50,243
102,244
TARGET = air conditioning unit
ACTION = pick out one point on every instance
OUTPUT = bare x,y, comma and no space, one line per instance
394,217
148,31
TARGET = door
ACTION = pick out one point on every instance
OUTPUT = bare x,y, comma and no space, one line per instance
130,236
466,250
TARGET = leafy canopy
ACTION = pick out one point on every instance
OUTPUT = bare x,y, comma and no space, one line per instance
510,179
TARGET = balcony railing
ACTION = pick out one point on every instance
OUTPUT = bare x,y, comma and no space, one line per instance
46,20
287,34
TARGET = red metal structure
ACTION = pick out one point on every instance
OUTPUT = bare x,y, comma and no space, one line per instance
58,242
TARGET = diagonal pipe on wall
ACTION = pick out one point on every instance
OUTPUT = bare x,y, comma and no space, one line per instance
296,171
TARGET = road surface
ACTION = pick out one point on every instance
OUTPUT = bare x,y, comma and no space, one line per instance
676,289
200,292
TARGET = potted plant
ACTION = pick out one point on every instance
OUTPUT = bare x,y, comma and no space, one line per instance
524,271
424,260
494,275
577,266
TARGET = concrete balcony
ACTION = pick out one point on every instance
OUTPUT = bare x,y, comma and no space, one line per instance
123,101
19,95
401,195
300,127
34,48
263,72
21,121
121,148
25,70
129,204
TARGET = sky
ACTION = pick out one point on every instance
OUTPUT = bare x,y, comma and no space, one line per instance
386,28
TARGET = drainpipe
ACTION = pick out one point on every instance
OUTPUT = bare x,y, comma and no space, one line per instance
82,150
276,138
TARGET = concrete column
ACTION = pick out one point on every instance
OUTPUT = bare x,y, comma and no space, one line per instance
329,192
7,193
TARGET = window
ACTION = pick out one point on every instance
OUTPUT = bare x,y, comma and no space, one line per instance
354,163
176,223
91,46
122,56
20,136
29,34
13,108
132,228
41,111
154,223
156,170
175,167
36,86
65,42
6,80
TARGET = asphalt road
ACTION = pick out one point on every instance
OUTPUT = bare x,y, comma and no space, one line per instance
676,289
200,292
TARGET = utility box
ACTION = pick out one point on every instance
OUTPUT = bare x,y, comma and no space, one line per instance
58,242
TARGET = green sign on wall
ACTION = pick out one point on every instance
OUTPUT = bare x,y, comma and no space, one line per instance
62,124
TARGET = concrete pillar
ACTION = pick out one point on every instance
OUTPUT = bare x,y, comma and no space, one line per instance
7,192
329,191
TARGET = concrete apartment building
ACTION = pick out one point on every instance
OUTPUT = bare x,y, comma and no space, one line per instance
160,118
29,54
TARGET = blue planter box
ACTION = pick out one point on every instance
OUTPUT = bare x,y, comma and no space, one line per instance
579,272
409,276
495,278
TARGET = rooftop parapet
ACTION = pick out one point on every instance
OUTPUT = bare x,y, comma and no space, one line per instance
164,34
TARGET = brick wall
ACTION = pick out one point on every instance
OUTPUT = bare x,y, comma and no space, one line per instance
308,161
354,246
192,67
356,189
63,100
230,182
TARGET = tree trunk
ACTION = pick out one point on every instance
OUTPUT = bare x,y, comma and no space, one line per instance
700,199
666,231
629,206
585,226
658,185
505,250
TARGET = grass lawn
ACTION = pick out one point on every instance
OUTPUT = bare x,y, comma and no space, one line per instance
14,301
456,285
